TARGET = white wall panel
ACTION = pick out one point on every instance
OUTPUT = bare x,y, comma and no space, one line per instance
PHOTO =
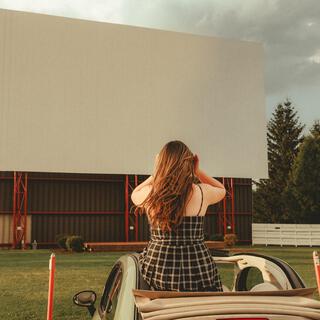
286,234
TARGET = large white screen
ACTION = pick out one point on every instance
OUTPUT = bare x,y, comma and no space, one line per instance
91,97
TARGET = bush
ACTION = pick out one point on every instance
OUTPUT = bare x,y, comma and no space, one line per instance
230,239
216,237
61,240
75,243
213,237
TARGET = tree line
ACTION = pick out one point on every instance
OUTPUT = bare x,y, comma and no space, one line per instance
292,192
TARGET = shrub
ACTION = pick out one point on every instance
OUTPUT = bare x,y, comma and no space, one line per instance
61,240
230,239
75,243
216,237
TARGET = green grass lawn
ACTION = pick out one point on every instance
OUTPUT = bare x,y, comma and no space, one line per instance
24,278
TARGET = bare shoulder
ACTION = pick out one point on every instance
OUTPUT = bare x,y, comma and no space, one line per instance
138,197
212,194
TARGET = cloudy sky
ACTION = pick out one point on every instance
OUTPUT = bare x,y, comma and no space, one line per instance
288,29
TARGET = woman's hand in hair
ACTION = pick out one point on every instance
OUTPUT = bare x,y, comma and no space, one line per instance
155,163
196,164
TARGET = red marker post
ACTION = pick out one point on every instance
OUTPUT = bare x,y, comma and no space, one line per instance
52,269
317,268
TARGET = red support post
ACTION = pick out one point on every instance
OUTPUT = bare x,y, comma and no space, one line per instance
232,207
19,210
14,218
136,217
220,220
225,215
126,213
25,208
224,209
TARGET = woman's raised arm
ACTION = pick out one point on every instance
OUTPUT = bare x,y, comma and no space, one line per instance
139,194
214,189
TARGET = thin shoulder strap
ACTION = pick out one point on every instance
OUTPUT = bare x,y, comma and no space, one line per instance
201,199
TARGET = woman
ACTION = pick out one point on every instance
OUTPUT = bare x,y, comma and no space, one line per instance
176,257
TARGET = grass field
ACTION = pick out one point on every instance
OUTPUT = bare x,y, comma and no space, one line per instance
24,279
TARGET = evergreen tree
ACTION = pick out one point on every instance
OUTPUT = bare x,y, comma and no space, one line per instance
315,130
284,135
303,191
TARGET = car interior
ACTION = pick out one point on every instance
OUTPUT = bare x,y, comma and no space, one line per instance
253,274
265,286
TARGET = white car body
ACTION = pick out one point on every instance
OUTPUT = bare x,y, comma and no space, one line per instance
121,298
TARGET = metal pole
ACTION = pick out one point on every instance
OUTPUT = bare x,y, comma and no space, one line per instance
19,210
126,212
14,218
25,209
136,217
52,268
224,212
232,207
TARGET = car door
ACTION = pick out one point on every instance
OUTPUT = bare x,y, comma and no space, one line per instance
109,300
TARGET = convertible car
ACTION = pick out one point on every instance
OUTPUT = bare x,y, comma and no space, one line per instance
263,287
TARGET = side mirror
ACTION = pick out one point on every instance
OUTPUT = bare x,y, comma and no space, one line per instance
87,299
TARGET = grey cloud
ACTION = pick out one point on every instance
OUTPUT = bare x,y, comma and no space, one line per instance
282,26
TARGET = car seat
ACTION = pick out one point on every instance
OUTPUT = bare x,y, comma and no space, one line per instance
265,286
225,288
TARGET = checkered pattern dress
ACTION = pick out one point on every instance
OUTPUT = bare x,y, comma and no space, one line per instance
180,260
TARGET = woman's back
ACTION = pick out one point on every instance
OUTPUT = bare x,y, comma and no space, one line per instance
202,196
179,259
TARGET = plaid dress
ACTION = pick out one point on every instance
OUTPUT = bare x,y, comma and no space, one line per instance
180,260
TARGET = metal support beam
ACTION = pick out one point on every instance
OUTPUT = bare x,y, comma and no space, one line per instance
225,214
232,206
225,208
126,212
136,225
129,187
19,211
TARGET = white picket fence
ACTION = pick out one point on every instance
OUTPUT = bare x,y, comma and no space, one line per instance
286,234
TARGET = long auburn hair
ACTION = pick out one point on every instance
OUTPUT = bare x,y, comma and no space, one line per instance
172,184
